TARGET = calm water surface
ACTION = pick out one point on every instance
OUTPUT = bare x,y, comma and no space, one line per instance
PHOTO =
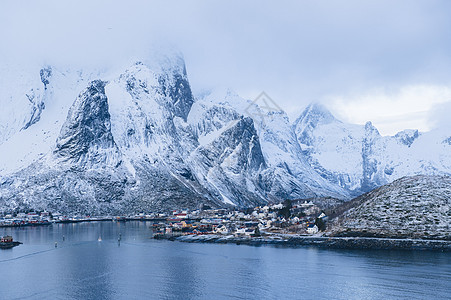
142,268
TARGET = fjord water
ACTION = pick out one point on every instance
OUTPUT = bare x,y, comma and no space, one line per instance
82,267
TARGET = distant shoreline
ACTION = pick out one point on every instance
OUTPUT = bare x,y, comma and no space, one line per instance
291,240
367,243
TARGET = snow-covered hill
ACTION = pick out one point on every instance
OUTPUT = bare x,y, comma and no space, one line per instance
416,206
358,158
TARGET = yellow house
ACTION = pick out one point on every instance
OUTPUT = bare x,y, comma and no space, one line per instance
185,225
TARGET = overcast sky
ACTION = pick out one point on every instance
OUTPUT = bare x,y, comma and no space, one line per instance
384,61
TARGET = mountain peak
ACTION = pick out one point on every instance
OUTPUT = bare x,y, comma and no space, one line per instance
313,115
316,113
165,76
86,134
407,136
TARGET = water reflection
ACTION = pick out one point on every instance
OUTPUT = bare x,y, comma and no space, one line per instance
83,268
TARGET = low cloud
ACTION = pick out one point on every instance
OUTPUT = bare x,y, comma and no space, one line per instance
440,116
296,51
410,107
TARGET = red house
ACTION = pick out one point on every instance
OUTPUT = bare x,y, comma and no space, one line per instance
6,239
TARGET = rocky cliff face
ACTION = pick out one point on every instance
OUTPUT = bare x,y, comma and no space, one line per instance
125,145
118,148
86,137
231,163
287,174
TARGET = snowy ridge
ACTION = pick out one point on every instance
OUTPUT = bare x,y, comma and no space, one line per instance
359,159
288,174
35,110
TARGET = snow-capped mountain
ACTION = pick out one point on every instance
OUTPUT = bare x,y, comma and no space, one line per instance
116,149
358,158
287,175
135,138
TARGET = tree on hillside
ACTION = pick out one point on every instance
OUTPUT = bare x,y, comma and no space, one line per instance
285,210
257,232
319,222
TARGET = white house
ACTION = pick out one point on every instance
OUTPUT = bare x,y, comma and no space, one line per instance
222,229
312,229
277,206
244,231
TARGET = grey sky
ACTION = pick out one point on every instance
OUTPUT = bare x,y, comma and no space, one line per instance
344,53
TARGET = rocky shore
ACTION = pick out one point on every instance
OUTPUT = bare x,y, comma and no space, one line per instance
317,241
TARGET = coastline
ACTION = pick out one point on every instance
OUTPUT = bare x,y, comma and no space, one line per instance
293,240
367,243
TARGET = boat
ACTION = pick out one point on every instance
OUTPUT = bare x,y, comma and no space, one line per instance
6,242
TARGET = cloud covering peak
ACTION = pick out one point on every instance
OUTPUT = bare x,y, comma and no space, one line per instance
296,51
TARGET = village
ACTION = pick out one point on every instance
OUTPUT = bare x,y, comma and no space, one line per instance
295,218
290,217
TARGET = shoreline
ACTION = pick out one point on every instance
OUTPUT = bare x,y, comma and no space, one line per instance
363,243
106,219
292,240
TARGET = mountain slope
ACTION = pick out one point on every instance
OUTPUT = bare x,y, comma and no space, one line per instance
418,206
287,175
359,159
118,149
136,139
